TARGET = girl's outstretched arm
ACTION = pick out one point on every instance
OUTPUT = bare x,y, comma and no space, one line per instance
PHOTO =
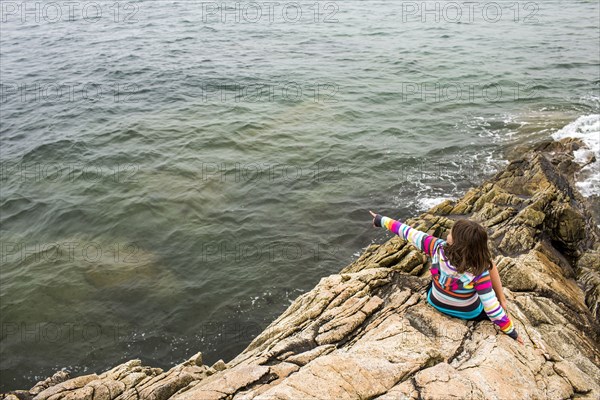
422,241
491,305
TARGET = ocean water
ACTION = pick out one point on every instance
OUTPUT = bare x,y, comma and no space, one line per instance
174,175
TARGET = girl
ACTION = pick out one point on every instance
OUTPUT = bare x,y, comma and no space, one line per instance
465,281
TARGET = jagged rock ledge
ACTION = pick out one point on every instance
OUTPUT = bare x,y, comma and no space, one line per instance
368,332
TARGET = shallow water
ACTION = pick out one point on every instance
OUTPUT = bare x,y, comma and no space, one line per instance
171,182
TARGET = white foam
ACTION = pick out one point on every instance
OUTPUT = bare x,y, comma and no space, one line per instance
425,203
586,128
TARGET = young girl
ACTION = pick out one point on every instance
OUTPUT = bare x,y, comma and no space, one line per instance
465,282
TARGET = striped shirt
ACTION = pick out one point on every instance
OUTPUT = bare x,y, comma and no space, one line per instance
460,295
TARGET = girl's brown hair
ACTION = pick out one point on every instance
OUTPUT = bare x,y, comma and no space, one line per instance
469,250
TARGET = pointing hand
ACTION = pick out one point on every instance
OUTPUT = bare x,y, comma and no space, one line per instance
373,215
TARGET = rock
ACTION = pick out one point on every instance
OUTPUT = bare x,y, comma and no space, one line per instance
368,332
444,382
222,385
588,269
70,386
196,359
58,377
219,365
573,375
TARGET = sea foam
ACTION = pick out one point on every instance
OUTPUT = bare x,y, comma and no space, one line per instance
586,128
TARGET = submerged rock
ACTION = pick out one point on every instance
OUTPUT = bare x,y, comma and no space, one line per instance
369,333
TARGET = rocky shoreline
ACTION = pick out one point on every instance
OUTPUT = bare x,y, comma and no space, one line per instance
368,332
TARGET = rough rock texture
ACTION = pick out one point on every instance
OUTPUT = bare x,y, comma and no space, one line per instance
368,332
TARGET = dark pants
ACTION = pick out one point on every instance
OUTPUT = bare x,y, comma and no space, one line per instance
481,317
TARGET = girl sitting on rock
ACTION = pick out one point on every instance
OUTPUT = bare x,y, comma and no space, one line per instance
465,281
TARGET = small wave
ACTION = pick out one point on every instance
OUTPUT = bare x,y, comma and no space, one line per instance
591,99
586,128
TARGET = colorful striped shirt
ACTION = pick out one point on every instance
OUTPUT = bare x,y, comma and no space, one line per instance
460,295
